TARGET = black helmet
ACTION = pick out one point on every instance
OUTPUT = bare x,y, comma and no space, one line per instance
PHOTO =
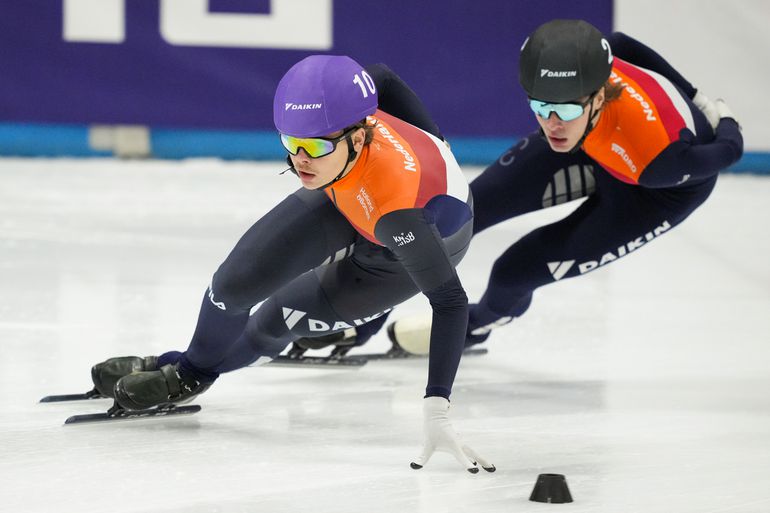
564,60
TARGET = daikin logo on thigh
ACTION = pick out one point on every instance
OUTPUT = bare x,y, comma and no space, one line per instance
559,269
291,317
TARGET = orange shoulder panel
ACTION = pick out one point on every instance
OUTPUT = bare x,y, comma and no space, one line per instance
385,178
629,134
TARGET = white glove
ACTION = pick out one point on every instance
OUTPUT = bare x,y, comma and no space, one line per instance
724,111
708,108
440,436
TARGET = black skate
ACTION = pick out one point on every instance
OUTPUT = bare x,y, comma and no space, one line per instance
342,342
107,373
143,390
472,339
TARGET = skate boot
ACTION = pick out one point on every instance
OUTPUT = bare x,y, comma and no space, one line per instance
107,373
342,341
471,339
479,334
411,334
142,390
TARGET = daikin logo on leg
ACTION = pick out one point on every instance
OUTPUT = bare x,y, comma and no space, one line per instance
292,317
559,269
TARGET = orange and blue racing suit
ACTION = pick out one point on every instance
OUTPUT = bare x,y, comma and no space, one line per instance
323,261
649,162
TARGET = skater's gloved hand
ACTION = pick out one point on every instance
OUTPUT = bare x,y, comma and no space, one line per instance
440,436
713,110
708,108
724,111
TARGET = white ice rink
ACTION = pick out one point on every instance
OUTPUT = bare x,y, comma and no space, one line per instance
646,383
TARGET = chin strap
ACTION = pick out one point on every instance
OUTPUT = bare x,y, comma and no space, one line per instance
589,126
351,156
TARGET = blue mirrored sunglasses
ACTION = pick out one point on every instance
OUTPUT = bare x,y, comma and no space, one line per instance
565,111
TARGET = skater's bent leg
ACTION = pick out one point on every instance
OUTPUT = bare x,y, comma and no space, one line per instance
330,299
607,226
274,325
302,232
216,328
368,330
265,336
514,277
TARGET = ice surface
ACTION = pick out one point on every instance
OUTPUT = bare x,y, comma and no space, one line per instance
646,383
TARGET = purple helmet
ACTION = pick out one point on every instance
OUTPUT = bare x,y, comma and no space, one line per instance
322,94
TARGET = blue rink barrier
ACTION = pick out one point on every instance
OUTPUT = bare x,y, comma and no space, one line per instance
42,140
52,140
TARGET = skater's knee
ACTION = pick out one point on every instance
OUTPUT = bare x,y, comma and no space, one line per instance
235,289
267,331
522,265
506,270
264,343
